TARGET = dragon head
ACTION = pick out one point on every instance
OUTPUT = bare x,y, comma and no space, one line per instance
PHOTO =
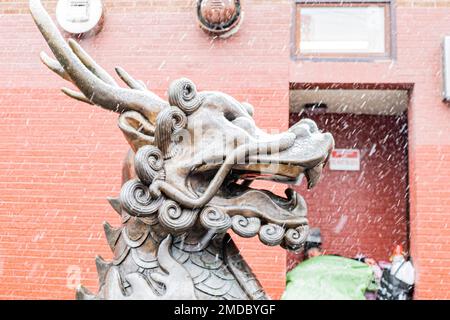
197,154
196,160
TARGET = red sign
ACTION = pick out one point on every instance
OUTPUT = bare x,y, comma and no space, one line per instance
345,159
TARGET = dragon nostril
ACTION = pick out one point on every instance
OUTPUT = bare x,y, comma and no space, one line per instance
301,130
311,124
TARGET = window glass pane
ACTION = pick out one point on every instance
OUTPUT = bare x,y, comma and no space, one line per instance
342,30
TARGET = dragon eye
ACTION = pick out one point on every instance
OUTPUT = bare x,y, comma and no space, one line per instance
230,116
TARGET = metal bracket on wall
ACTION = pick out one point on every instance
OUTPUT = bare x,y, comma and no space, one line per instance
446,69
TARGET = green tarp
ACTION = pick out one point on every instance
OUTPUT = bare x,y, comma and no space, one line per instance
329,278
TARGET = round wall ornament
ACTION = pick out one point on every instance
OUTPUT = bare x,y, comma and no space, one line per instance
219,17
81,17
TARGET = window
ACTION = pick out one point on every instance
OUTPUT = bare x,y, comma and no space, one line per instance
343,29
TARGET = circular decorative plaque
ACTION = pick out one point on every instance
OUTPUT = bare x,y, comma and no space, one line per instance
219,17
80,16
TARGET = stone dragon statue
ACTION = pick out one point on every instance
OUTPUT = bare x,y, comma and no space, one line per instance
187,182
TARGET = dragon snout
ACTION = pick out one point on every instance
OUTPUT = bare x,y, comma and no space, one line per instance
304,127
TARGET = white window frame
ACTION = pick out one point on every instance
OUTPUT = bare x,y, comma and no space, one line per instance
389,54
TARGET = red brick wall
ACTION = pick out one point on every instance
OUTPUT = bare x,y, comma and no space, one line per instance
362,211
423,3
60,159
418,63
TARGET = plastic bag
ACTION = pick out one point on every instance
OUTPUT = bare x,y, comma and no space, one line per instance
392,284
329,277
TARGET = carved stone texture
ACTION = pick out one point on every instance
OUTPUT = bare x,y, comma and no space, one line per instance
188,181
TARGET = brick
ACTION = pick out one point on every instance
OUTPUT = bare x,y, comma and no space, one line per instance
60,159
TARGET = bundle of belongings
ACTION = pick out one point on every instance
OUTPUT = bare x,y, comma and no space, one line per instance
327,277
397,282
330,277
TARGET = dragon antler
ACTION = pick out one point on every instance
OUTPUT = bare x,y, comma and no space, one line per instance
96,85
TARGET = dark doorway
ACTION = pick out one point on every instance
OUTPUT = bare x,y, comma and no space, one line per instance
363,211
